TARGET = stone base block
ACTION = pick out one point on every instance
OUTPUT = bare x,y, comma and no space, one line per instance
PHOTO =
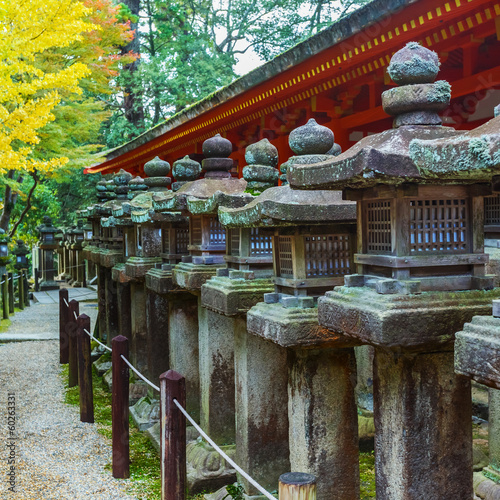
206,469
160,281
222,494
137,267
425,321
192,276
477,351
145,413
233,296
485,488
118,274
102,365
48,285
153,434
110,258
292,327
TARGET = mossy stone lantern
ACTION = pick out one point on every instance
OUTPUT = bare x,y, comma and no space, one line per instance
47,244
419,189
21,252
313,238
4,252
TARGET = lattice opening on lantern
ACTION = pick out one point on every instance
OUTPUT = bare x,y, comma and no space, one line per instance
139,237
217,232
196,229
166,241
260,244
285,256
492,209
439,225
181,240
235,242
379,226
327,255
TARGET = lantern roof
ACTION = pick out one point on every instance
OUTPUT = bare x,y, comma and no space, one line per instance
283,206
418,149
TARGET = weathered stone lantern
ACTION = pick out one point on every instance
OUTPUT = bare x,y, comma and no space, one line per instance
48,245
21,252
199,201
285,352
146,255
421,275
4,252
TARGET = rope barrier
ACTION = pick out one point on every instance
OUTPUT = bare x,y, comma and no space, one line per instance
93,338
188,417
222,454
139,374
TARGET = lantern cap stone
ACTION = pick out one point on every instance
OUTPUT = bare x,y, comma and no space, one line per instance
185,170
261,172
282,206
414,64
311,138
216,163
157,167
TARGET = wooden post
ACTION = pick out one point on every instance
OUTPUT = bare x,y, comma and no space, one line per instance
26,288
297,486
63,326
84,274
11,292
85,370
173,436
73,311
5,297
37,278
120,430
20,290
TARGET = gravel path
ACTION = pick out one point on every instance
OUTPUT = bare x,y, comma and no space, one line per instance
56,456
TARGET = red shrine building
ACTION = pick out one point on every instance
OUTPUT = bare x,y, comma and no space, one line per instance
337,77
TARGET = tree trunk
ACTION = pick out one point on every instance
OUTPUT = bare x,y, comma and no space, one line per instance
132,101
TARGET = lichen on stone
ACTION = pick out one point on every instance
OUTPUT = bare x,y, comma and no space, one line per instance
441,91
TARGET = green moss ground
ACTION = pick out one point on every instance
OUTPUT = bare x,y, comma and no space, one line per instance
145,464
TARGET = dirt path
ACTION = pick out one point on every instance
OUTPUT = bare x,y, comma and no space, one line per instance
52,454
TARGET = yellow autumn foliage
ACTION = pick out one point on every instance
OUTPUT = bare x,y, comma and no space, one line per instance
27,94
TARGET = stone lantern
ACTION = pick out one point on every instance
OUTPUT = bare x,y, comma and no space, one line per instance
284,351
48,245
21,252
187,320
147,249
421,275
4,252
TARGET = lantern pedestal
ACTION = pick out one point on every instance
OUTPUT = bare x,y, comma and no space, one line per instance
319,419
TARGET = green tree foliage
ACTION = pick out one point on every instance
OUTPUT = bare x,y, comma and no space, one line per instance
72,137
189,49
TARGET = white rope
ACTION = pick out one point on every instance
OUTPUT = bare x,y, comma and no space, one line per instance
2,282
140,375
226,458
93,338
74,314
66,302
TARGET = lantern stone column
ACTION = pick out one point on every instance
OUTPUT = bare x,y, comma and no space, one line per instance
421,276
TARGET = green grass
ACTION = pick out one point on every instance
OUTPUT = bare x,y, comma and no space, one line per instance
367,475
145,481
